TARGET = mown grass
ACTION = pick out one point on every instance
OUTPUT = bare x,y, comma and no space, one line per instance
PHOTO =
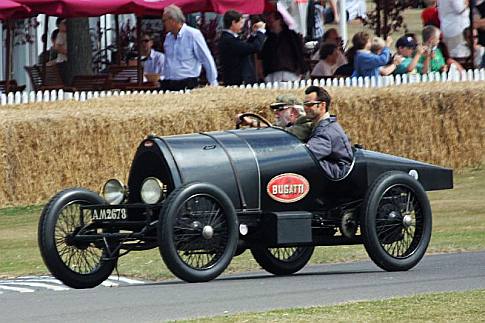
459,225
436,307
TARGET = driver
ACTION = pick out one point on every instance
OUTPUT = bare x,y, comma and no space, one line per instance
328,141
290,115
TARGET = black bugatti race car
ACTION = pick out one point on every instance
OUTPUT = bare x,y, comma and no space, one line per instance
204,198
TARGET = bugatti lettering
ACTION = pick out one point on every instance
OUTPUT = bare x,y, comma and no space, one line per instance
109,214
289,189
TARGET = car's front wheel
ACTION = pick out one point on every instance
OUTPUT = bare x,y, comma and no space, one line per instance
77,264
198,234
396,224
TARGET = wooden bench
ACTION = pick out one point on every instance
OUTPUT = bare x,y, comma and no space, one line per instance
53,79
126,78
11,86
99,82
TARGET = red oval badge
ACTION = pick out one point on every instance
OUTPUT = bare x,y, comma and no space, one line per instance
288,188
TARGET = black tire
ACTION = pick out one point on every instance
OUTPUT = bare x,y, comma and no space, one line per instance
396,222
282,261
75,265
198,234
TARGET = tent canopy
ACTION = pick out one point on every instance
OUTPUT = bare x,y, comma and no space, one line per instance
13,10
94,8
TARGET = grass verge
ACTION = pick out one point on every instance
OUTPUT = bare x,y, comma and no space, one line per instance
459,225
436,307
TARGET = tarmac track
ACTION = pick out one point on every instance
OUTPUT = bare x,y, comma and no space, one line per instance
258,291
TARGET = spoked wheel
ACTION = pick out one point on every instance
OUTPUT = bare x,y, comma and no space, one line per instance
396,224
76,264
282,261
198,233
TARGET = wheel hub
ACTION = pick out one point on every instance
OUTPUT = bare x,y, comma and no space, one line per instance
208,232
407,221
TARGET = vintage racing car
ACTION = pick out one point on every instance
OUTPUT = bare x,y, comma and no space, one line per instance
204,198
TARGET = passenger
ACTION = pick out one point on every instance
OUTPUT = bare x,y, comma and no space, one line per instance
328,141
290,115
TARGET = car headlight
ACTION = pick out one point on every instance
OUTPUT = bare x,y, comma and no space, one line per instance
152,190
114,191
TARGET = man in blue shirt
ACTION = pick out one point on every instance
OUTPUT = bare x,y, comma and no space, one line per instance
185,53
154,61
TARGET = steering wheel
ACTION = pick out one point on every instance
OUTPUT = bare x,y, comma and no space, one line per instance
256,116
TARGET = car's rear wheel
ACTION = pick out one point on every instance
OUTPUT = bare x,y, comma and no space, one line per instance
76,264
282,261
396,224
198,233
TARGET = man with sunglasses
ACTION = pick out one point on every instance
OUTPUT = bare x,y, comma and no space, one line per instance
328,141
153,60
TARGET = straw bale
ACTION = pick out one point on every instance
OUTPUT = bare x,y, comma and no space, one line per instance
45,147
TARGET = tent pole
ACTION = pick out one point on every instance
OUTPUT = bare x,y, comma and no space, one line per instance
118,41
472,42
343,21
138,40
9,56
44,49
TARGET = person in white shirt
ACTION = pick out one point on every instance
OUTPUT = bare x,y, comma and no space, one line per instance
185,53
454,17
328,63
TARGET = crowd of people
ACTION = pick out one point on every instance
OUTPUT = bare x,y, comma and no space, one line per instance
252,49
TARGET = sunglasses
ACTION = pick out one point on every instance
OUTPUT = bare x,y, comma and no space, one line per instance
311,103
146,40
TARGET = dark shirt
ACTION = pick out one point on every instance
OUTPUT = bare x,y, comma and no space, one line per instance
235,57
481,32
331,146
283,52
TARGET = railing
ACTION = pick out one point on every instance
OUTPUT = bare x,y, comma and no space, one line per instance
373,82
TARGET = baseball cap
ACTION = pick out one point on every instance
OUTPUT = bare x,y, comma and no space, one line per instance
406,41
284,101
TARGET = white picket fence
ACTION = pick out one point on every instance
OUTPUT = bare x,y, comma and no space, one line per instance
373,82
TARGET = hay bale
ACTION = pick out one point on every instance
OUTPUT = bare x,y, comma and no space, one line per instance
45,147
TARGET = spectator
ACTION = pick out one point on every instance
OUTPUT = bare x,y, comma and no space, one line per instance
60,44
321,12
154,60
429,16
235,54
408,48
479,20
50,55
377,46
346,70
185,53
464,48
454,18
432,59
328,63
367,63
282,52
331,36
